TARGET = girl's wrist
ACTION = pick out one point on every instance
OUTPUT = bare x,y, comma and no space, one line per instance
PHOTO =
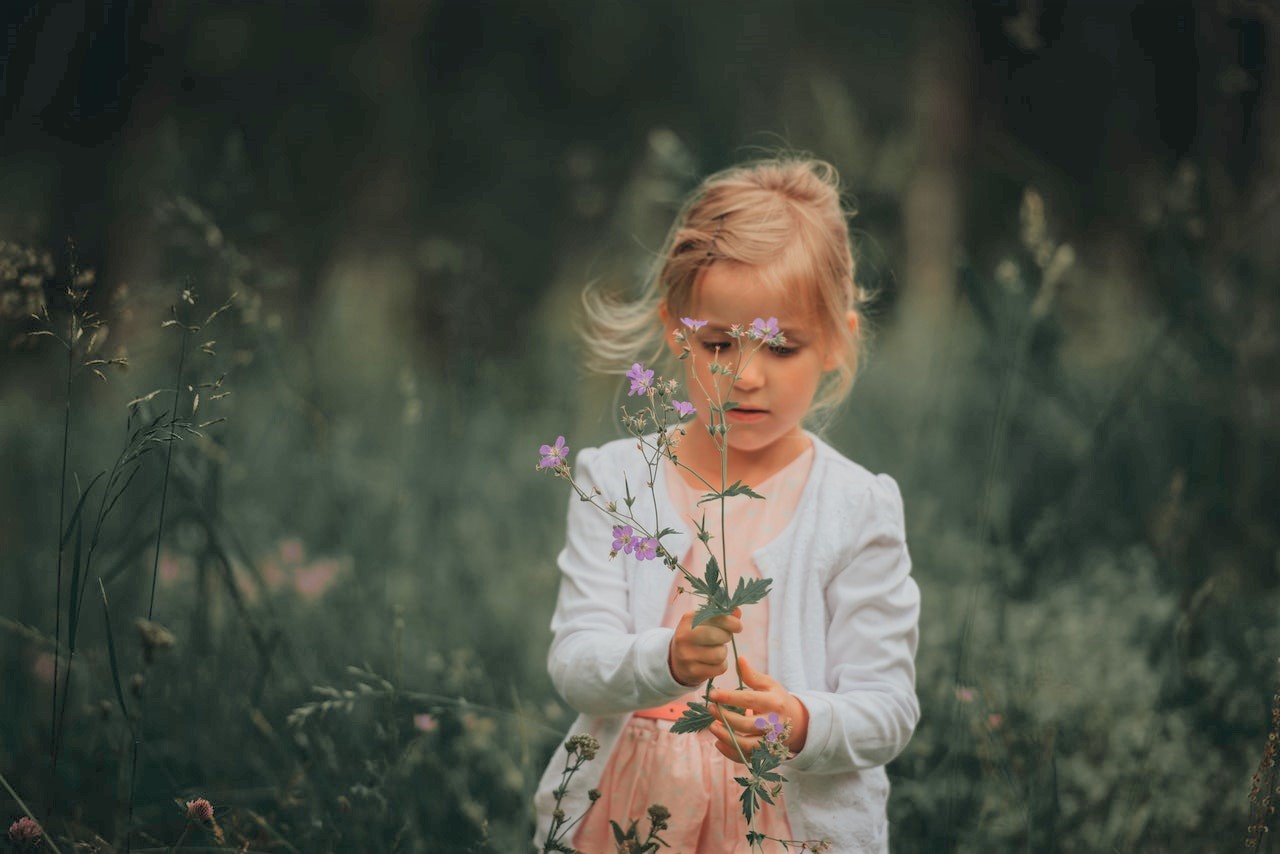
798,715
671,668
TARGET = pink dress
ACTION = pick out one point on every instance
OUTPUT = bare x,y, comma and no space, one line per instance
685,773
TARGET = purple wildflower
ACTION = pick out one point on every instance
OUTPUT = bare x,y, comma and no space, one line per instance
773,727
765,330
641,380
553,455
624,539
646,548
690,323
684,407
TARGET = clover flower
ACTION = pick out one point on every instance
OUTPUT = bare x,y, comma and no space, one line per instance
200,811
641,379
425,722
624,539
25,832
690,323
683,407
646,548
553,456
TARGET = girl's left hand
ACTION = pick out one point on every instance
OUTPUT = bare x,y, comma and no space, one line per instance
762,696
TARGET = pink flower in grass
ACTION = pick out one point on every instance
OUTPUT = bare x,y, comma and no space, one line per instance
25,832
200,811
170,569
272,575
995,720
291,550
964,694
42,667
425,722
313,580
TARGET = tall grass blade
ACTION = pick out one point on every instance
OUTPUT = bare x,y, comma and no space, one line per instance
73,603
75,516
124,711
164,482
119,492
111,655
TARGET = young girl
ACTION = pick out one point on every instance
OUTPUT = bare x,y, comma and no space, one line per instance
831,650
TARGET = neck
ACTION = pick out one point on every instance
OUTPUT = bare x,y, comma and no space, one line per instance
698,451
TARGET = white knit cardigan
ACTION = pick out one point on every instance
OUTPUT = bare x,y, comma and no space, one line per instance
843,616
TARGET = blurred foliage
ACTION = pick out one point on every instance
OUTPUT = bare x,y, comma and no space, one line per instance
402,202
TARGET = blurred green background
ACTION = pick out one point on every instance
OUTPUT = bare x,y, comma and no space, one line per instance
1068,211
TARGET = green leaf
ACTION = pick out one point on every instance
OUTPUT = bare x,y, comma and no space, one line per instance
703,534
696,718
713,607
627,486
749,803
749,592
740,488
713,574
730,404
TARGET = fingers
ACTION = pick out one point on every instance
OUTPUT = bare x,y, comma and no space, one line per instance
725,743
701,653
754,678
737,747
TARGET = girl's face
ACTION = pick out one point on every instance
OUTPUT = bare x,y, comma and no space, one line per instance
776,385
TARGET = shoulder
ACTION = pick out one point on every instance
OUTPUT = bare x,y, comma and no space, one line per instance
608,462
846,489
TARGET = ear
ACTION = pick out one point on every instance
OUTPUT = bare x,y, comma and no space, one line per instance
832,360
664,315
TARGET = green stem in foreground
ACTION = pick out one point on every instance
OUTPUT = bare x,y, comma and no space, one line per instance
168,458
62,509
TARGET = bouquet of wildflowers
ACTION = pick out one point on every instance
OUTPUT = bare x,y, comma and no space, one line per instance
658,425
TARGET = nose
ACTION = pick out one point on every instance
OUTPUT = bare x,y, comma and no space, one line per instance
750,374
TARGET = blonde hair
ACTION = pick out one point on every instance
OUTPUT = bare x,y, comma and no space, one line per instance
783,218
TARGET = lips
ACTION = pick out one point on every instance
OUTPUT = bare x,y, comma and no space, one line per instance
747,414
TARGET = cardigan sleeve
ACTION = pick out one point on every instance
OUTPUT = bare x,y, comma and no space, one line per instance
873,609
599,661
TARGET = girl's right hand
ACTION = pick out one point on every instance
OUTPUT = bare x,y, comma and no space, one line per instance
702,653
